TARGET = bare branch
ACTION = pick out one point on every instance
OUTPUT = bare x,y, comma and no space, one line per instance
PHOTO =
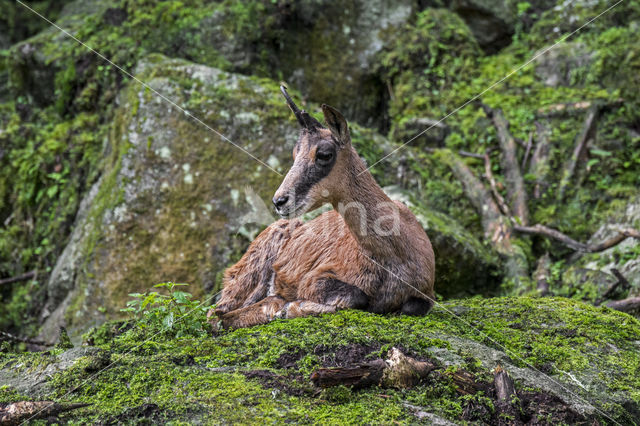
513,177
625,305
23,277
622,281
586,134
575,245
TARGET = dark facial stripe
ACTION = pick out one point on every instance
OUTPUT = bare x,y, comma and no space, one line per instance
311,175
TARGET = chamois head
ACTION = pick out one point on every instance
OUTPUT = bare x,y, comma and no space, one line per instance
320,161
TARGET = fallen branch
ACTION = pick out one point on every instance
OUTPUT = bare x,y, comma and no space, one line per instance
398,371
586,134
460,152
539,166
22,277
625,305
575,245
23,411
513,177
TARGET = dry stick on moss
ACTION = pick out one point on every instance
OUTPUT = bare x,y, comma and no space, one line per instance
542,273
398,371
580,150
625,305
513,176
23,277
576,245
539,166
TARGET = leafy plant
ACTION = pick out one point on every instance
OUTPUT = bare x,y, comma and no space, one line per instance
173,315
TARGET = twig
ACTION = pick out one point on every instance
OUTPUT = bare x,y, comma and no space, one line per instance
461,153
527,151
625,305
587,132
22,277
575,245
513,176
24,411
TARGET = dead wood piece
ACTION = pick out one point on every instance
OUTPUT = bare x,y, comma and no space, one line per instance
18,412
359,376
513,176
398,371
539,166
464,382
507,403
625,305
579,152
576,245
23,277
542,273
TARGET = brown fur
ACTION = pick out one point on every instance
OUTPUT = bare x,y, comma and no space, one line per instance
335,261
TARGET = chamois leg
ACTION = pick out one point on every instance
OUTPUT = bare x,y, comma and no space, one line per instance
304,308
333,292
258,313
248,281
416,306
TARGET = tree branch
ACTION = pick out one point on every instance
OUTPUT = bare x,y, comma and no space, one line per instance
587,132
575,245
541,274
625,305
513,177
504,208
22,277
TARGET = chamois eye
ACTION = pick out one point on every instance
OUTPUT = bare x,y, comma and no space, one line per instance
324,157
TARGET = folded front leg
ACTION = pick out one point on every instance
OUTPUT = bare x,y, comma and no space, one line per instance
333,292
258,313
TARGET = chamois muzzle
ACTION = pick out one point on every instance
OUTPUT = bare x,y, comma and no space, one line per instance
305,120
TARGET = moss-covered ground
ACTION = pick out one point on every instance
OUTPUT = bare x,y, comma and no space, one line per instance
261,374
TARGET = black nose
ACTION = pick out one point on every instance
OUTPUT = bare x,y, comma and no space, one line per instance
280,201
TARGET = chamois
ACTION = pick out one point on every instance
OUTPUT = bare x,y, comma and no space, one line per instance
367,253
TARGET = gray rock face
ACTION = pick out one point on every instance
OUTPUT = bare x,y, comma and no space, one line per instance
168,207
560,65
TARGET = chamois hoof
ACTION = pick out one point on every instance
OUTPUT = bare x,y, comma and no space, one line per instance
416,307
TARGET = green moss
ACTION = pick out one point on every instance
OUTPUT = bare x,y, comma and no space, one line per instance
190,378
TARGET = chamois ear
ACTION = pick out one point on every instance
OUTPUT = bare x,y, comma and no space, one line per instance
337,124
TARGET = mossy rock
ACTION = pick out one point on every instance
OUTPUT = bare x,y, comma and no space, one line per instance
571,363
171,200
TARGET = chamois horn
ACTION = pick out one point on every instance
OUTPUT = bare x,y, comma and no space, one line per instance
303,117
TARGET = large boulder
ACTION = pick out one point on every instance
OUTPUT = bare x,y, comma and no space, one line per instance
571,364
170,200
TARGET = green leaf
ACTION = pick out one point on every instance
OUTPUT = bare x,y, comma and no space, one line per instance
168,321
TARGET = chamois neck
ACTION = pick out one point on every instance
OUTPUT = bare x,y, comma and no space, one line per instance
363,205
